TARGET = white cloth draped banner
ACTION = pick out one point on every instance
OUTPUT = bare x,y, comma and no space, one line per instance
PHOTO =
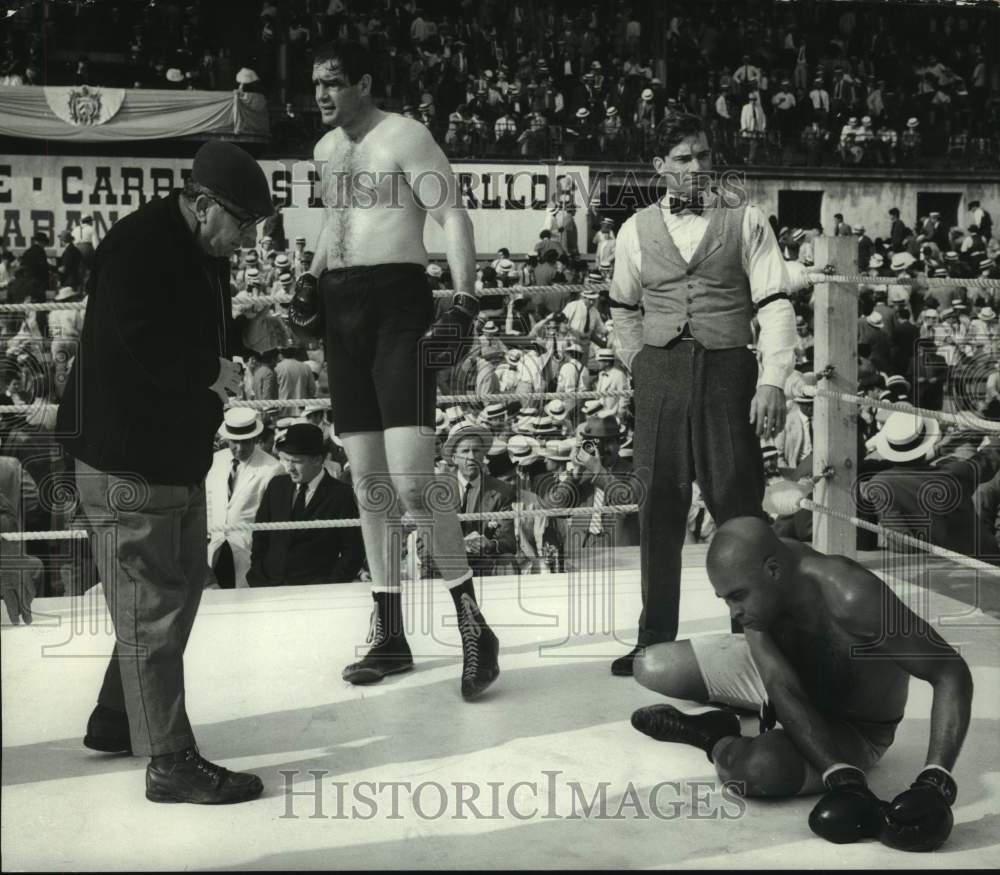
93,113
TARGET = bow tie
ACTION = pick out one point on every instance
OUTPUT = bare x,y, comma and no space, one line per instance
679,205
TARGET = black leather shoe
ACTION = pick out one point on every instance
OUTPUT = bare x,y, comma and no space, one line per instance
480,651
623,665
666,723
188,777
107,731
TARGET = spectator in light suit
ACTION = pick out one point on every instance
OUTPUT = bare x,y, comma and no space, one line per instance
306,492
233,490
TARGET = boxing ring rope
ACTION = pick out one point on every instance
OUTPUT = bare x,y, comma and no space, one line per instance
487,516
823,471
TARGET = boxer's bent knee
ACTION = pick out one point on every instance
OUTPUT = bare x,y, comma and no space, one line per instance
670,668
768,765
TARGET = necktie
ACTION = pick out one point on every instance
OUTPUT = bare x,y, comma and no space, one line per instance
678,205
465,498
299,506
232,476
595,521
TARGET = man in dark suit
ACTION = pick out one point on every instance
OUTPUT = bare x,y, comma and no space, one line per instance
142,405
36,263
897,231
488,544
920,459
70,262
306,492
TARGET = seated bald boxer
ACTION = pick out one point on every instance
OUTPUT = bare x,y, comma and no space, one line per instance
829,650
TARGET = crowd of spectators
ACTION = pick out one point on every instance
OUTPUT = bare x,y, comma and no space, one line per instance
934,349
868,84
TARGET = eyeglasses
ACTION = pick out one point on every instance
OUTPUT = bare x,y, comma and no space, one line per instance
242,224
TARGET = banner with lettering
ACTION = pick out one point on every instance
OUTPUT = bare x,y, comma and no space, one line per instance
509,204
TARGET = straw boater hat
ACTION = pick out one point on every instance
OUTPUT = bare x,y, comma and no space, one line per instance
464,431
874,319
591,294
906,436
647,94
582,112
929,313
513,356
523,450
605,355
281,260
544,426
901,261
240,424
987,314
65,293
490,328
912,123
493,413
876,260
557,410
558,451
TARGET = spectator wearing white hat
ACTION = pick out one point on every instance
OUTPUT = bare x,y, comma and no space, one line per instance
983,329
611,141
611,378
604,244
753,125
584,322
233,489
911,142
573,376
921,460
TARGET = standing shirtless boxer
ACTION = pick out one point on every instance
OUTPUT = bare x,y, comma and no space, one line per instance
366,293
831,649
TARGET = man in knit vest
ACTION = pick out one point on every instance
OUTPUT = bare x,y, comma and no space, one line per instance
691,270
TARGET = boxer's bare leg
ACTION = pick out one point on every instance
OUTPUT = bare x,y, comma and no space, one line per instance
671,669
410,454
379,515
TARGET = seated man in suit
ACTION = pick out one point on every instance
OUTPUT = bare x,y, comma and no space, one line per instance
233,490
306,492
488,545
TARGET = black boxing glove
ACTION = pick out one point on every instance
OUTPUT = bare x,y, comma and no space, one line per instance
303,309
447,341
849,811
920,819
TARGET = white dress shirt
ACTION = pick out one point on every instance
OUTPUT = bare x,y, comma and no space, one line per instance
762,263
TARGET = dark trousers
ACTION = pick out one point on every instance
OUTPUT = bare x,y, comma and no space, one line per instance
225,571
692,422
149,544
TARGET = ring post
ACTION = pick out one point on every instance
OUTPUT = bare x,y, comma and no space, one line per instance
835,337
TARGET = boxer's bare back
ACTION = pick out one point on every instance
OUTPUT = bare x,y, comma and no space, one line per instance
372,215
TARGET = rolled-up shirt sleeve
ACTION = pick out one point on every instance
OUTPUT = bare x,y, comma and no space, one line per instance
626,288
765,267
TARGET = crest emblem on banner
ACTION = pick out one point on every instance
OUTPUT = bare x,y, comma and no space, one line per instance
85,105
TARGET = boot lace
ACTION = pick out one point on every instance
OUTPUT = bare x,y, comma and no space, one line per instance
470,629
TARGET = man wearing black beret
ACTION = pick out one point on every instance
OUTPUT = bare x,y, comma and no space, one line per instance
142,405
